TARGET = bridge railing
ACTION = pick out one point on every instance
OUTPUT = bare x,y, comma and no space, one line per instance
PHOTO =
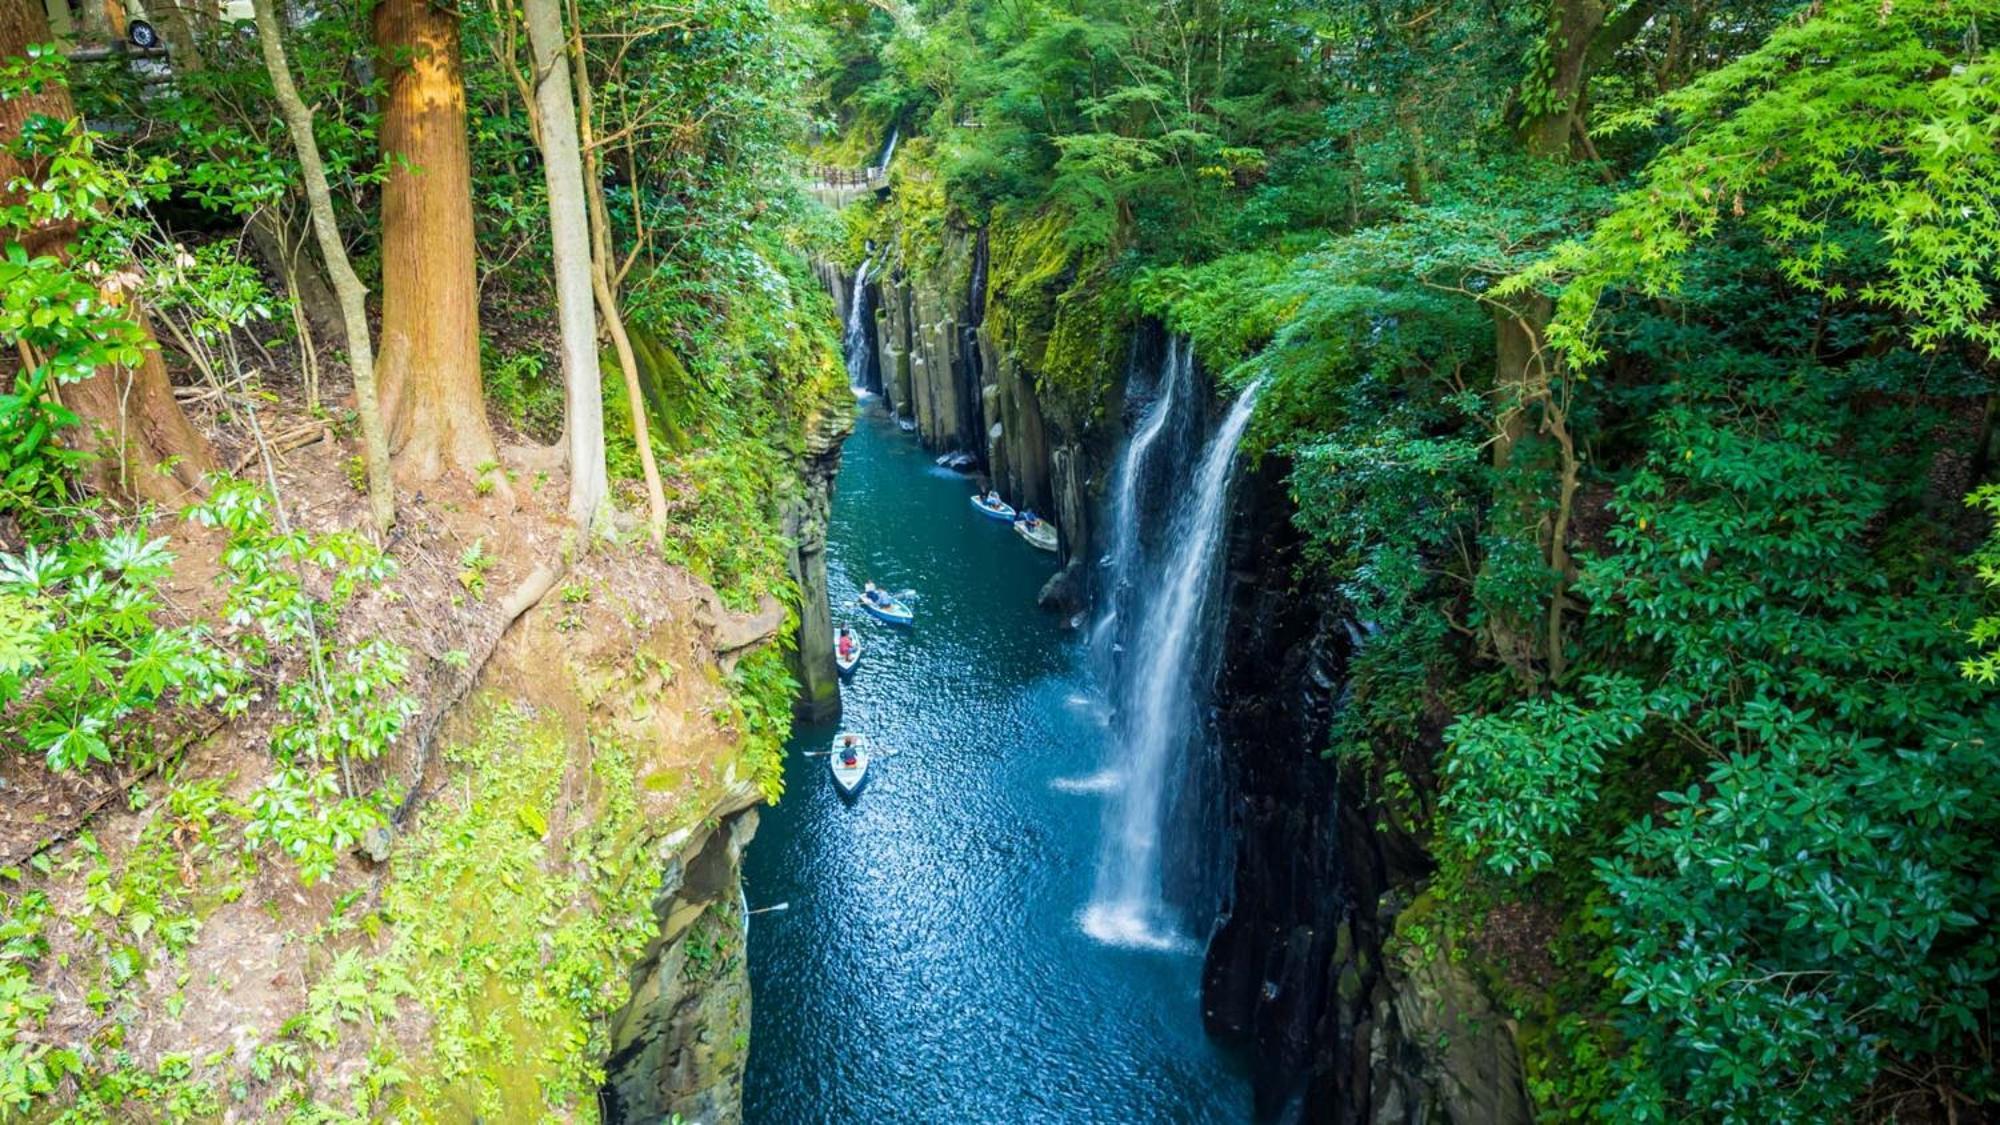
829,176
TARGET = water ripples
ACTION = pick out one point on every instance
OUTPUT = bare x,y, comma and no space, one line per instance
934,963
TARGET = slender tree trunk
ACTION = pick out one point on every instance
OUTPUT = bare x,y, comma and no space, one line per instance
431,395
145,447
1521,388
607,296
283,254
279,251
569,234
353,296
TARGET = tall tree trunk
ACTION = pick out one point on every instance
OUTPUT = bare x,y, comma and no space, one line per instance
95,17
183,49
432,398
1583,36
569,234
601,281
128,415
353,297
284,255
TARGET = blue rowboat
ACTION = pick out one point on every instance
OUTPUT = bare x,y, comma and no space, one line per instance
888,610
995,509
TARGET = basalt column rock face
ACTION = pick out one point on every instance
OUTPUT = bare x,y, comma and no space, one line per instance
1345,1024
1017,438
805,526
1292,961
970,387
682,1041
923,348
892,344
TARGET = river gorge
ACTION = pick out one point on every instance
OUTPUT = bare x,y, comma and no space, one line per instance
931,959
1099,871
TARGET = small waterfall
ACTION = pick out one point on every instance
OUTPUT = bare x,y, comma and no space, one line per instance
1162,681
889,150
859,341
970,364
1124,562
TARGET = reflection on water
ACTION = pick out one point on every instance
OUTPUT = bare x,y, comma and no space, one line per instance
931,966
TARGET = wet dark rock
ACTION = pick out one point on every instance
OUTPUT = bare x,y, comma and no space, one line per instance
1295,969
1064,592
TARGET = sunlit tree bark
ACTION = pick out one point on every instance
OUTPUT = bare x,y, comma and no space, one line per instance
428,367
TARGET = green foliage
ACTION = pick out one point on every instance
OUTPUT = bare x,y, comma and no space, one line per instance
1813,911
28,1070
762,690
1752,791
1860,124
54,314
82,651
1983,666
1816,904
521,389
1518,780
516,960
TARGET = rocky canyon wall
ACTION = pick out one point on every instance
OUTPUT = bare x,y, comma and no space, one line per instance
805,518
970,386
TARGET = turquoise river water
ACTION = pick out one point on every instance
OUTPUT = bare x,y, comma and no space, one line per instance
930,965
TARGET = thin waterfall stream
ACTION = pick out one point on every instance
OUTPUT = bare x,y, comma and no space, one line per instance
858,342
1159,676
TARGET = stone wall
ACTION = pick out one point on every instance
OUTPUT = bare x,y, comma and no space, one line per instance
805,521
967,389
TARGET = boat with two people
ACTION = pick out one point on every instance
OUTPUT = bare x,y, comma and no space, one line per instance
1040,533
846,651
885,607
992,507
849,760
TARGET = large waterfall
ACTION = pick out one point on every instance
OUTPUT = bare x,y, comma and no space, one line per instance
859,341
1163,572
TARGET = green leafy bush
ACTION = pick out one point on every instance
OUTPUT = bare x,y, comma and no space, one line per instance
82,650
1518,780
